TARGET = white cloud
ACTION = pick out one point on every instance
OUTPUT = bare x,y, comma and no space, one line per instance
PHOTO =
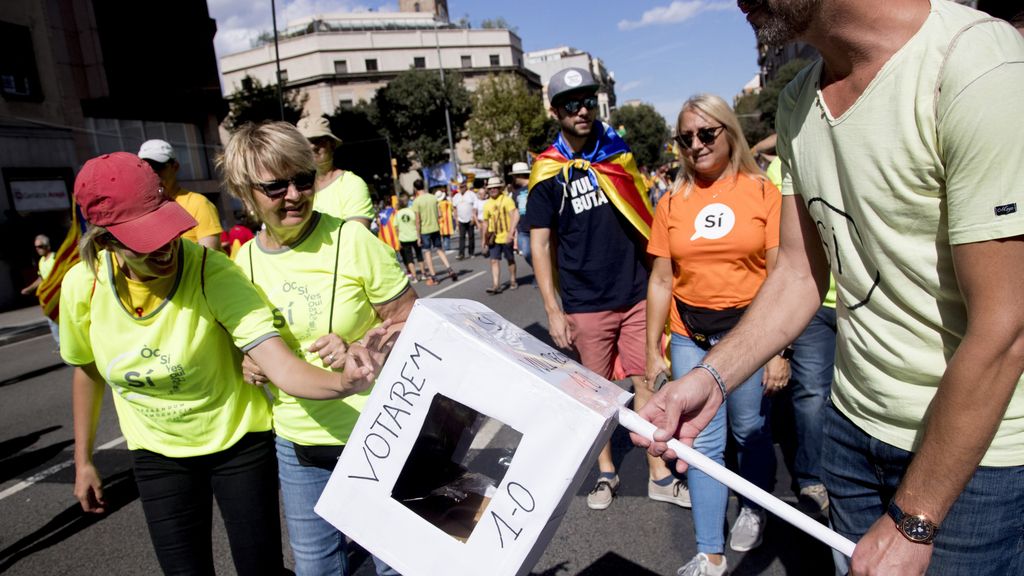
674,13
630,86
239,21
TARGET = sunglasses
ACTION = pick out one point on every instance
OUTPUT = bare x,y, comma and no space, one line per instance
275,189
574,106
707,136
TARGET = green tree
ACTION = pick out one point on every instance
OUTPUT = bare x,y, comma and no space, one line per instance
498,23
364,147
646,132
758,110
410,111
255,102
507,118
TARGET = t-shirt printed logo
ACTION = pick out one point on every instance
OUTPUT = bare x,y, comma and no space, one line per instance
584,195
714,221
1006,209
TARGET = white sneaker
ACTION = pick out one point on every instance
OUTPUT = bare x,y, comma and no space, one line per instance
601,496
675,493
748,530
701,566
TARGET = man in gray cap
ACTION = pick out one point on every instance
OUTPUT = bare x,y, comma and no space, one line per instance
598,255
160,156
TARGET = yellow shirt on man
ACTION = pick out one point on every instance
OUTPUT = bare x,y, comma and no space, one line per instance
205,213
498,214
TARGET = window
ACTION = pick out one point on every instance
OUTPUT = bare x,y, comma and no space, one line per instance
283,76
19,78
341,67
346,104
495,60
467,61
113,135
371,64
419,62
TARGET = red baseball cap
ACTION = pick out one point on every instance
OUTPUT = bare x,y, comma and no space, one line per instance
120,192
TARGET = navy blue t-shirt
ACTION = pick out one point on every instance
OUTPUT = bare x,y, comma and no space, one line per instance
602,259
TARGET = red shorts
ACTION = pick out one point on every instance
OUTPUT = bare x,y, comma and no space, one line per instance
601,337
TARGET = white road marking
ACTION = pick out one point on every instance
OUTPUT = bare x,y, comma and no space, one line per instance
456,284
36,478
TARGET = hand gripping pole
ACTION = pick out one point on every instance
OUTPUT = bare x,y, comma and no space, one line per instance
634,423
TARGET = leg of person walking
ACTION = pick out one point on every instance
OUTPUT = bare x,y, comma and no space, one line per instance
749,424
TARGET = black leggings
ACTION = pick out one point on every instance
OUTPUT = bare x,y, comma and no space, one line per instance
177,498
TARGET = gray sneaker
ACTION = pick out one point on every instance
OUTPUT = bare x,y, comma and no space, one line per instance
701,566
601,496
817,494
748,530
675,493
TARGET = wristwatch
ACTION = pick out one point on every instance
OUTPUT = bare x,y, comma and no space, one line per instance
916,528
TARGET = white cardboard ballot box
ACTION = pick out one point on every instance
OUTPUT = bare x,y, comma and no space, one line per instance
471,446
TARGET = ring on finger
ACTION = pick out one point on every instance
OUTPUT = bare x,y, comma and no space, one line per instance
330,358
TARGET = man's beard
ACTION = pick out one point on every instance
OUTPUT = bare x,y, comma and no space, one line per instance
784,20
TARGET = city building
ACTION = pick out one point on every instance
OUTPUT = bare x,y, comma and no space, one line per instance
546,62
342,59
83,77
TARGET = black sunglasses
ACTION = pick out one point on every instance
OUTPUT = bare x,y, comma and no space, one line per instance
573,106
275,189
706,136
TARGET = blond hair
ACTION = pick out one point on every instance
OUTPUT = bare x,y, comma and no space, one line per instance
90,244
275,147
741,160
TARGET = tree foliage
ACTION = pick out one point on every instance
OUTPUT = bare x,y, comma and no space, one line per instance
498,23
646,132
766,103
256,102
364,148
507,118
410,112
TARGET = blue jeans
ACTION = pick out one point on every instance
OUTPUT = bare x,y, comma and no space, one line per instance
318,547
747,412
983,533
524,246
812,364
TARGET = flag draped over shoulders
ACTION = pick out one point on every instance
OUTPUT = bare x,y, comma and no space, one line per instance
65,257
610,165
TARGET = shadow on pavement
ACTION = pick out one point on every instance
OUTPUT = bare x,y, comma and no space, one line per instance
15,445
119,490
17,465
612,564
32,374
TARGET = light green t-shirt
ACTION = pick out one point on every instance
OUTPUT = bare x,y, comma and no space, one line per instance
176,373
46,264
405,222
916,165
298,282
774,173
426,206
346,198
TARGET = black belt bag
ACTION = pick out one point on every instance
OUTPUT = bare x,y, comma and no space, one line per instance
704,324
325,457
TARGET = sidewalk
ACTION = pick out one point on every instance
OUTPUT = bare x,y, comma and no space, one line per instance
18,325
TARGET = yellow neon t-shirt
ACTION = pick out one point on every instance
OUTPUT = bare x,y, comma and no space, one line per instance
175,372
346,198
205,213
46,264
297,281
498,214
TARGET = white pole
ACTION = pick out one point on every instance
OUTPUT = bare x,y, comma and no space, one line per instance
634,423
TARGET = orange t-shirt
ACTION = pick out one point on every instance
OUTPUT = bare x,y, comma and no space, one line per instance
717,239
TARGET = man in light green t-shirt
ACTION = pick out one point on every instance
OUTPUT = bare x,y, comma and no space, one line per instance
902,149
409,237
429,229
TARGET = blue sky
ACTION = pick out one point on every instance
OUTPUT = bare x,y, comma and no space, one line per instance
661,51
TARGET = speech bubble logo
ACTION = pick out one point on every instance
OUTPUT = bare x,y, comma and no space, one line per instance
714,221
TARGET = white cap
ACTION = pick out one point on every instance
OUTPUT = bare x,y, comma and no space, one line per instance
156,150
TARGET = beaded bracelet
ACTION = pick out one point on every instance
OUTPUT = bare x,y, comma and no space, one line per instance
714,374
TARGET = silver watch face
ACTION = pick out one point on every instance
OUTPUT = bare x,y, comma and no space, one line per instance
917,528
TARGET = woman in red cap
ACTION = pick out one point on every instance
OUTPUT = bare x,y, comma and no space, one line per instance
164,323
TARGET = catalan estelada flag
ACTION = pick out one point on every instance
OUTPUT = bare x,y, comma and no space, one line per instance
611,167
445,217
66,257
386,228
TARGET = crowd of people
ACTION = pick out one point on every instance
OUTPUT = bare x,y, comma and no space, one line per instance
874,284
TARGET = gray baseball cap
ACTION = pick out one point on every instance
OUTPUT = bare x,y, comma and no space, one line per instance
570,80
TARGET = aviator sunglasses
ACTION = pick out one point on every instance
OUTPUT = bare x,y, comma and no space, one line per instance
277,188
706,136
573,106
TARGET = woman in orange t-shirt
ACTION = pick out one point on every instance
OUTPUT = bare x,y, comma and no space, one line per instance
714,239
